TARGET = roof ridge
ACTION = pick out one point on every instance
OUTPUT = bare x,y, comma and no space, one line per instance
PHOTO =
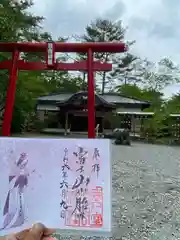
122,95
103,97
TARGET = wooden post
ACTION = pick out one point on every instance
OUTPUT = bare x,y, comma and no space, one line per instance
102,124
66,124
142,127
133,124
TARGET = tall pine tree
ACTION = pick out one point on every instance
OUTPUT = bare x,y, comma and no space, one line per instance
103,30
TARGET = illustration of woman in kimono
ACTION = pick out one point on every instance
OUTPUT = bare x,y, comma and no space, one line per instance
14,212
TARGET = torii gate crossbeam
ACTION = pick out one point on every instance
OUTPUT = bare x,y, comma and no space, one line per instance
49,49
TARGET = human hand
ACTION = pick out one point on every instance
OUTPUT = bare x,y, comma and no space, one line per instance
37,232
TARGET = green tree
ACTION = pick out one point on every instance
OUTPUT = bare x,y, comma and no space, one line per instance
103,30
129,90
155,97
126,69
172,105
146,94
17,24
159,75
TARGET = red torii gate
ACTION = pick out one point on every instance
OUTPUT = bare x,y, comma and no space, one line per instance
50,48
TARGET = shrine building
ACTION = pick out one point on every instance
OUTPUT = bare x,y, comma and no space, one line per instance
69,110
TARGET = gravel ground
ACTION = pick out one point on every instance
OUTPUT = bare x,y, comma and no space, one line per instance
146,192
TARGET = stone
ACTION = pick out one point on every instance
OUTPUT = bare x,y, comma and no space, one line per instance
122,137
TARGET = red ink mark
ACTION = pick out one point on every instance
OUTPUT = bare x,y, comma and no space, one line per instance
98,219
93,215
75,221
97,207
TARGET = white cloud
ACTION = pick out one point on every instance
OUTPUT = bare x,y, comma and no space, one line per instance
155,27
171,90
154,24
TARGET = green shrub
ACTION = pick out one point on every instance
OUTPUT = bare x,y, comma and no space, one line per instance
18,121
40,125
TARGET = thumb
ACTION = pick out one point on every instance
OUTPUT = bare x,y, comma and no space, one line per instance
39,230
36,232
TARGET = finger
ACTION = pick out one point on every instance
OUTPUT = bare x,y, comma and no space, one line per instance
21,235
36,232
48,231
10,237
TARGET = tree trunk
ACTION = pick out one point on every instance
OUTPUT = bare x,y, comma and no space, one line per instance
103,82
84,82
1,107
104,75
125,79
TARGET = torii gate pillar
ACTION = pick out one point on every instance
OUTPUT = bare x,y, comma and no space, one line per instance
91,97
10,97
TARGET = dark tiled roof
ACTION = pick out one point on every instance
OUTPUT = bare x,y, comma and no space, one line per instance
113,98
61,97
107,97
98,99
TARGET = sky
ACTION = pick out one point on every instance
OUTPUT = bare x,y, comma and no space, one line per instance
154,24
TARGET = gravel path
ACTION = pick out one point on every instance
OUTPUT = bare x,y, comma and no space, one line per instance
146,192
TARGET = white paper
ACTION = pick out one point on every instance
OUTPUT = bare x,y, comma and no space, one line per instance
62,183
